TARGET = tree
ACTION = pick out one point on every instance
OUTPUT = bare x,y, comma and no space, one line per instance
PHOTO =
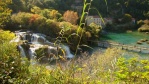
55,15
4,12
126,18
94,30
70,16
49,14
137,8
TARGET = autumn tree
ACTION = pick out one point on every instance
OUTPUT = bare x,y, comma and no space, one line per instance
48,13
4,11
70,16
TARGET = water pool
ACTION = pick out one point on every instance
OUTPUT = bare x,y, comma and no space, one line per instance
129,38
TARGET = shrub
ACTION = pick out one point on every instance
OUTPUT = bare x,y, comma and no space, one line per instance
133,71
52,28
6,36
126,18
144,28
49,14
28,20
70,16
21,19
146,22
55,15
71,34
140,23
38,23
94,30
5,12
12,68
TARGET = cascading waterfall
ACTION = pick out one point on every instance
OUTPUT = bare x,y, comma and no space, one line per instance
68,53
36,41
22,52
34,38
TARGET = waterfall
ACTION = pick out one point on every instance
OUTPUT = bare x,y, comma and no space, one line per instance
33,48
36,41
34,38
22,52
37,38
68,53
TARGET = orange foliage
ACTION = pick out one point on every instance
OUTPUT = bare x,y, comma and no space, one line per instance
33,18
70,16
146,22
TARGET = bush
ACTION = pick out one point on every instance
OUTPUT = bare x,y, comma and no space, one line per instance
37,22
140,23
71,34
13,68
133,71
71,16
126,18
51,28
144,28
49,14
94,30
21,19
5,12
28,21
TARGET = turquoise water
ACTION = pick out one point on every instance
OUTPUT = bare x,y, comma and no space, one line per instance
129,38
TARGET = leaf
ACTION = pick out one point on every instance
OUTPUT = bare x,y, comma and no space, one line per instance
73,34
86,46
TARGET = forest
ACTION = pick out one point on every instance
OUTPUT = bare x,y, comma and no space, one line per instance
50,42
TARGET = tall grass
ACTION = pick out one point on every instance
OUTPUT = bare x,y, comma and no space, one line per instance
96,69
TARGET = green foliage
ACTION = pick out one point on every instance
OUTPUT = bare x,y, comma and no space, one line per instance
26,5
48,13
94,30
21,19
121,24
4,12
133,70
20,5
13,69
100,68
116,8
5,36
97,69
69,33
38,22
140,23
28,20
52,28
137,8
147,15
41,52
126,18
